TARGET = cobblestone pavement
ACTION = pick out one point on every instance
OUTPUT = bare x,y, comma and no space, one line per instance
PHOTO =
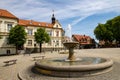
23,62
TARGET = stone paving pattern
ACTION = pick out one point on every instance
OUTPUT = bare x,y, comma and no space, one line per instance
25,62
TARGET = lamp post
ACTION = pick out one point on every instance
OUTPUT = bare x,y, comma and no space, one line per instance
53,44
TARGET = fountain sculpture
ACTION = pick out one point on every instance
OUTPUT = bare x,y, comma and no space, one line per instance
70,46
73,67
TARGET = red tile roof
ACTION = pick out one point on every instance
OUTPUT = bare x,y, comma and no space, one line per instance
82,39
34,23
79,37
5,13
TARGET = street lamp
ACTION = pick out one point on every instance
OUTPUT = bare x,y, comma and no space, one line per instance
53,44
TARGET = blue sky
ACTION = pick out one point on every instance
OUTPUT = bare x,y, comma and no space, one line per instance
82,15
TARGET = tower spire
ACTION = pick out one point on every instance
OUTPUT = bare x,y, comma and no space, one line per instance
53,12
53,18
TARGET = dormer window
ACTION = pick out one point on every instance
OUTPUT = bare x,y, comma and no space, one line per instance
85,40
81,40
46,24
30,21
56,26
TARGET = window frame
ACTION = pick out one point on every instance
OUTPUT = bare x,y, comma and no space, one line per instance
29,42
30,31
9,26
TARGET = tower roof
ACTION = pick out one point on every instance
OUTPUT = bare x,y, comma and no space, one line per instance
53,18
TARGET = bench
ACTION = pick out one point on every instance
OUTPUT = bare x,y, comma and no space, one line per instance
37,57
10,61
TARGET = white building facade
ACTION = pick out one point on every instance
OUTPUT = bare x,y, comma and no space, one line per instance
8,20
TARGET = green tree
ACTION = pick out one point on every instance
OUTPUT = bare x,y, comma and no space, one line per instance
109,31
41,36
17,36
116,28
100,32
103,32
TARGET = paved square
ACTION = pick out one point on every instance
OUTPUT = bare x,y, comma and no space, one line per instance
23,62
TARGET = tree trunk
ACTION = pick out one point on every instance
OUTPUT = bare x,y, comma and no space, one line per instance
40,47
16,49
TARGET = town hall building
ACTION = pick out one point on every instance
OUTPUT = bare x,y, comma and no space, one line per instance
8,20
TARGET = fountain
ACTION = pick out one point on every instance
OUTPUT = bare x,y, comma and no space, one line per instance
73,66
70,46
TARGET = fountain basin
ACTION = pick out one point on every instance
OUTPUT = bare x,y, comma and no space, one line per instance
70,44
85,67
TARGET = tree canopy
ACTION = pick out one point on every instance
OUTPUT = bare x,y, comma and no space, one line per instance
17,36
41,36
109,31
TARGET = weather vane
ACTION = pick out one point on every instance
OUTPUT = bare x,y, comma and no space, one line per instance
53,11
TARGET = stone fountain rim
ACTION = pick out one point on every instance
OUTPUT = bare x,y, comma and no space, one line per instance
106,64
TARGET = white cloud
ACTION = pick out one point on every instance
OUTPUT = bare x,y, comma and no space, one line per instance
78,20
41,10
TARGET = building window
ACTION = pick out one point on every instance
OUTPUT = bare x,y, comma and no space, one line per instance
9,26
57,43
50,33
57,33
30,31
29,42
